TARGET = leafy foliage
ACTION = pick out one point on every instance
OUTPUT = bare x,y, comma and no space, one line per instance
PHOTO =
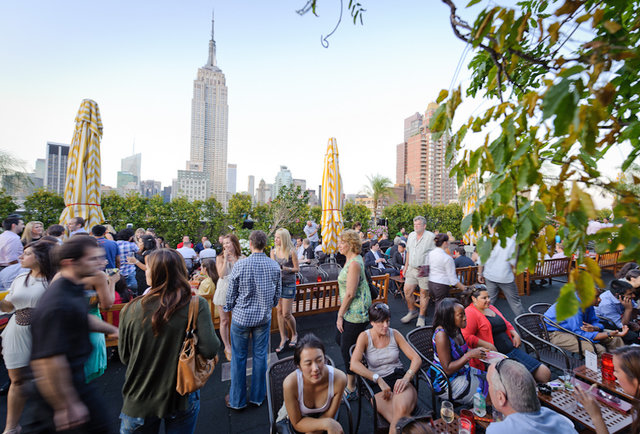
352,213
7,206
443,218
379,188
43,205
562,100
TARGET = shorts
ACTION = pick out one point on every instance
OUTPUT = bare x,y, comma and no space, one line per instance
411,278
288,291
390,379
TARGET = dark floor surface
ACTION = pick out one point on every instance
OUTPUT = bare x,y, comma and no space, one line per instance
216,418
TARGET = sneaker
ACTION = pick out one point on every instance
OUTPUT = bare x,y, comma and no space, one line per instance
420,322
410,316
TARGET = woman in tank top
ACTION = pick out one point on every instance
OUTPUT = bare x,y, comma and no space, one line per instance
381,345
312,393
285,255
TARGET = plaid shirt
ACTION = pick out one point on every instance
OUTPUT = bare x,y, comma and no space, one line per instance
125,249
254,289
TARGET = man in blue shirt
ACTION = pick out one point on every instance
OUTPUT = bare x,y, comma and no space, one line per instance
585,324
254,290
514,394
617,305
110,247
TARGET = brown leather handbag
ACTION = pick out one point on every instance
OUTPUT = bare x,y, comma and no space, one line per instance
193,369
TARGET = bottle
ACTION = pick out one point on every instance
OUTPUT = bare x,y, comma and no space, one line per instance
479,403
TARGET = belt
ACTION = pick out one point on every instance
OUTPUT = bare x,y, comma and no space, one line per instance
23,316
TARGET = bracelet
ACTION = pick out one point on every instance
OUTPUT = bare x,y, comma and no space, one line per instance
410,372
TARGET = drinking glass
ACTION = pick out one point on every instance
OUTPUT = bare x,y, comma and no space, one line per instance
446,412
607,367
568,379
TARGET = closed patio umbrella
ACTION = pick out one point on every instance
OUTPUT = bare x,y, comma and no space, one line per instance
82,185
332,223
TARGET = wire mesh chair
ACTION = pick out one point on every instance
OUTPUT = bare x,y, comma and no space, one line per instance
276,373
540,308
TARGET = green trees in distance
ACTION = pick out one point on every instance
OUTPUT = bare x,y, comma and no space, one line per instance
7,206
44,206
443,218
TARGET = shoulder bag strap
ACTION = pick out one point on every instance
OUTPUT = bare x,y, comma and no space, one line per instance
193,314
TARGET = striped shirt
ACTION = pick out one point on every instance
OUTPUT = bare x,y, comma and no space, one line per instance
254,289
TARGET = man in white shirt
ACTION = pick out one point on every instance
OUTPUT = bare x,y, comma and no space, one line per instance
499,273
10,244
189,255
311,230
419,244
207,251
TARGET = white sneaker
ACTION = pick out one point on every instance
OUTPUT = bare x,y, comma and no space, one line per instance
413,314
420,322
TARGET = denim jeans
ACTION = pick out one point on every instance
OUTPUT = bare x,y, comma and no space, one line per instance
132,283
240,348
181,422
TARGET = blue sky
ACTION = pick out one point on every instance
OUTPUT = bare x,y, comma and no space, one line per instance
287,94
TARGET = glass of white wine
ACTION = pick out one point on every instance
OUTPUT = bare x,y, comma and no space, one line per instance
446,412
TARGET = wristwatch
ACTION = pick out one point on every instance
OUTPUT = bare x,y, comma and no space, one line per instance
375,378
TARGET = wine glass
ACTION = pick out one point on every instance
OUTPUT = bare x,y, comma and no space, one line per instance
446,412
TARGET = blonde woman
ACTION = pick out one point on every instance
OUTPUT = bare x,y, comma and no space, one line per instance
285,255
231,253
33,231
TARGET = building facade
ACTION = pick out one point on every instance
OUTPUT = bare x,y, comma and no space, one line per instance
232,173
191,184
251,185
283,179
420,162
209,122
150,188
56,167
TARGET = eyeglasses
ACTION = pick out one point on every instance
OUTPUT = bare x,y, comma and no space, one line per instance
500,376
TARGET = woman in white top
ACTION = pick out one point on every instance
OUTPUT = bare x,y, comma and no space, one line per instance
312,393
442,270
23,296
231,253
381,346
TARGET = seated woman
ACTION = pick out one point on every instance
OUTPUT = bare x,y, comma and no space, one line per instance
617,306
585,324
452,355
381,345
312,393
488,328
626,368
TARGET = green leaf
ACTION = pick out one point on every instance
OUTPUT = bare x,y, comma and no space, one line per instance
484,249
466,223
553,97
567,304
565,110
473,2
586,289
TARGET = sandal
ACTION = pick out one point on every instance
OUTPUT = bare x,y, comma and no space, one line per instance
282,347
293,343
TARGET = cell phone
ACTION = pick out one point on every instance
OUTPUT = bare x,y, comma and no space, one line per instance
111,271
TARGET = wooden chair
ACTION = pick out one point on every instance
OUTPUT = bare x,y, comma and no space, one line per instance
112,316
609,261
276,373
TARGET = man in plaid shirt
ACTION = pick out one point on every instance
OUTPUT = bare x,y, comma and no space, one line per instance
126,248
254,289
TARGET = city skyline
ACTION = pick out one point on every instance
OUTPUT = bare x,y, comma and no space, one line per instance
287,94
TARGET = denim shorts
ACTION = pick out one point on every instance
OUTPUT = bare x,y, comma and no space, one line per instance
288,290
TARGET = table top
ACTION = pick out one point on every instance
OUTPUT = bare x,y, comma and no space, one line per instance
440,426
596,377
565,403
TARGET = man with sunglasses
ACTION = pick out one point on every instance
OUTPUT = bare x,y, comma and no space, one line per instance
513,393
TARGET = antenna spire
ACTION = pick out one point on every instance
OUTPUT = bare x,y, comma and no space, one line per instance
212,43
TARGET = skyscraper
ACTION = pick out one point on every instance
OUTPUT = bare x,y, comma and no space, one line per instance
232,172
420,162
250,187
283,179
56,167
209,121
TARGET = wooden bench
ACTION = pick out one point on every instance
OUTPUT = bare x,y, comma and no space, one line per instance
547,269
311,298
609,261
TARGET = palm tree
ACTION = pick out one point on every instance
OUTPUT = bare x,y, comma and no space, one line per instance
379,187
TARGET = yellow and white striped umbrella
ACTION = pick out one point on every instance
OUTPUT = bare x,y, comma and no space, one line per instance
332,223
82,186
469,192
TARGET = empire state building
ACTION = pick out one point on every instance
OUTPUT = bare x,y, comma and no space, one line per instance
209,125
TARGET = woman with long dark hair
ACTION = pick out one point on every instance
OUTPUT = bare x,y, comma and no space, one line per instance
452,355
626,368
231,253
146,244
152,329
208,284
23,296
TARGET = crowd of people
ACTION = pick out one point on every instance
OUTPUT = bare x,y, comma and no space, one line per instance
57,281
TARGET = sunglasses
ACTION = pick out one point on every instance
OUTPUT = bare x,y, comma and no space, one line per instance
500,376
381,306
